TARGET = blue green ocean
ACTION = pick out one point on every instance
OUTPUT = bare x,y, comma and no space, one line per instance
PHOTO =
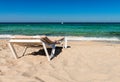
66,29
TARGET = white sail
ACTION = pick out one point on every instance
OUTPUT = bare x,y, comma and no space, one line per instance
62,22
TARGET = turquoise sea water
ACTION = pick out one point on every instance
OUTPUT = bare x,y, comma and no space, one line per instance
71,29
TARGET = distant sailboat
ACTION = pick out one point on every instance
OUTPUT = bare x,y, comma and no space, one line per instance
62,22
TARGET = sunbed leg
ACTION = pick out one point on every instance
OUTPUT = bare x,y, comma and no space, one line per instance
13,50
65,44
24,51
46,52
53,51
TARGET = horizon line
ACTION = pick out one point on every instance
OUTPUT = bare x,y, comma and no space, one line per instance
55,22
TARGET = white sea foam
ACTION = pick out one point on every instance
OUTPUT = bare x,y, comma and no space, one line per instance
74,38
4,36
93,38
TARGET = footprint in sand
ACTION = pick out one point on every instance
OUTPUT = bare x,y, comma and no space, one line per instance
1,73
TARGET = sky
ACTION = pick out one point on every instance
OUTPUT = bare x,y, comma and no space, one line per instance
59,10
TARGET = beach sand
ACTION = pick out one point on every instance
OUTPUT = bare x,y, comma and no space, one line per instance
82,61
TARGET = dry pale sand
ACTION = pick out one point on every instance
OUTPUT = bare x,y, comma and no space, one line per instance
83,61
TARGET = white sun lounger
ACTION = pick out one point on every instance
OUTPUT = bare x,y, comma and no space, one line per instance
35,40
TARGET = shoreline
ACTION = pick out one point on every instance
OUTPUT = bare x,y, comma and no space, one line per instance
76,38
